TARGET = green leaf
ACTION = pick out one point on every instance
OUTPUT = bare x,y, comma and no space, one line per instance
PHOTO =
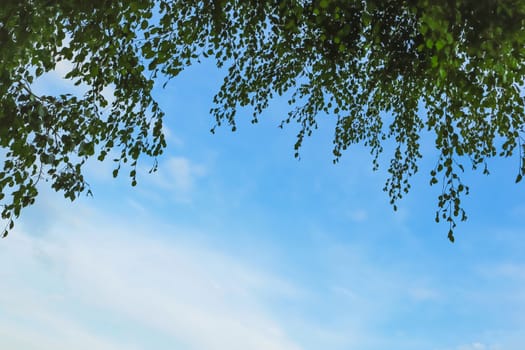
440,44
434,61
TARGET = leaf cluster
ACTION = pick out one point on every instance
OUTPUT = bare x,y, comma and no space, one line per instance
386,71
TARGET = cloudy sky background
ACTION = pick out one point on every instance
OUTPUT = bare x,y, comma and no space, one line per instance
235,244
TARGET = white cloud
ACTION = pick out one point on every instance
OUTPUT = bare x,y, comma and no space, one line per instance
82,269
171,138
177,174
70,337
59,290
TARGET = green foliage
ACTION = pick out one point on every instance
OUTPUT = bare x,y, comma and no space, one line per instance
382,69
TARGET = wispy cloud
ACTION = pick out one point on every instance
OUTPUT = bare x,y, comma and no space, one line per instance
77,273
176,174
189,294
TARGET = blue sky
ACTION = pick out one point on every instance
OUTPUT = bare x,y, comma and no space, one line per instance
235,244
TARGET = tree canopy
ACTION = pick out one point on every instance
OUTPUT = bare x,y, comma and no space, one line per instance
384,70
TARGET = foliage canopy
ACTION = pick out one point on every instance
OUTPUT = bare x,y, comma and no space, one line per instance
382,69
